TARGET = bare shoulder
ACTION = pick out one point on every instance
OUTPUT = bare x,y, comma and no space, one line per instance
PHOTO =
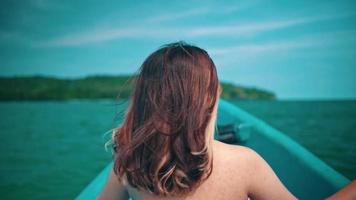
236,153
253,171
244,162
239,160
236,165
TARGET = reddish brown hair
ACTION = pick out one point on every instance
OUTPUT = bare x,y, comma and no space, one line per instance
161,146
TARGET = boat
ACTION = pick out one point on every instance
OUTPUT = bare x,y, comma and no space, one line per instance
304,174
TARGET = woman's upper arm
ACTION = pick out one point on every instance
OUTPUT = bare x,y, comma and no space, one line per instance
264,183
113,189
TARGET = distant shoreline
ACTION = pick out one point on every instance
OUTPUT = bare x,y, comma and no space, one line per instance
44,88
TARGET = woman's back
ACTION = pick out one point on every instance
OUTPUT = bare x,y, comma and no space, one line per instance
235,172
227,180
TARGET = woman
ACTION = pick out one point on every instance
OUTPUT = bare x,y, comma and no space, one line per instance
165,147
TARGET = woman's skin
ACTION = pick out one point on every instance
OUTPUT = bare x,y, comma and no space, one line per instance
238,173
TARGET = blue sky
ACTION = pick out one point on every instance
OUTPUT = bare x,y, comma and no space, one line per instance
297,49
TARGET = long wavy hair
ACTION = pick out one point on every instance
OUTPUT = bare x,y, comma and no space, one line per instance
162,144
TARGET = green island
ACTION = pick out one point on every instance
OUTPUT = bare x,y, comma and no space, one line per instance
97,87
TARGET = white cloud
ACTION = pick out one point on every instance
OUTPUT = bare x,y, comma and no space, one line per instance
254,49
178,15
99,34
320,44
102,35
89,37
201,11
306,41
244,29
